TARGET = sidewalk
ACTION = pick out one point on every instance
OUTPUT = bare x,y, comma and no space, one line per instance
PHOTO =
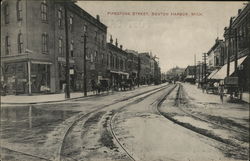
46,98
246,97
42,98
193,89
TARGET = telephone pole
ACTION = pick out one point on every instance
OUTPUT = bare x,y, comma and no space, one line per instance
84,63
195,67
205,67
67,88
229,47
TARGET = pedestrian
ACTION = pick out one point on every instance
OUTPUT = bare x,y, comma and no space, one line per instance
221,92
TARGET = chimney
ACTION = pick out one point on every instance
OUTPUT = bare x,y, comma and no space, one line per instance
116,43
98,17
121,47
239,11
111,39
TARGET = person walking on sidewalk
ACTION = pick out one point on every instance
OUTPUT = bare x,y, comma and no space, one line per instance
221,92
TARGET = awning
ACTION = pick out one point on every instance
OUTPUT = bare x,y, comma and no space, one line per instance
40,62
189,76
117,72
213,73
222,73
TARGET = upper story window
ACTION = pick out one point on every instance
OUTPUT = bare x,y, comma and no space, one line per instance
91,58
103,39
60,17
71,23
45,40
85,28
20,43
44,11
96,56
72,48
95,35
6,14
7,45
102,58
19,10
108,56
60,46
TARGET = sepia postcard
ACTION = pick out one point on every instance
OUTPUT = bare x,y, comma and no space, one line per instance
124,80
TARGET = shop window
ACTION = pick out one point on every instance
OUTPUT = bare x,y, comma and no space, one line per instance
44,11
60,17
19,10
45,39
7,45
71,23
20,43
6,14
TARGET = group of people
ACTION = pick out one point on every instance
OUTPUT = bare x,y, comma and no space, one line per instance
106,85
218,87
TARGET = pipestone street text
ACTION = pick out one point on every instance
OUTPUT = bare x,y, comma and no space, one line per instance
120,13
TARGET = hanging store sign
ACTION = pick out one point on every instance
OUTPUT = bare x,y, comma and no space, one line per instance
71,71
62,59
231,81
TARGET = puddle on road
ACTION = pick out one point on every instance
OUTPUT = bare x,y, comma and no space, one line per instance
30,124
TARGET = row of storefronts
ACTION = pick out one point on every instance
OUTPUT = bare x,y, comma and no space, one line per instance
227,62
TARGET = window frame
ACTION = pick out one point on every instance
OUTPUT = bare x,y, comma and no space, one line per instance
19,10
71,23
20,43
60,17
44,11
6,13
45,43
72,48
7,45
60,46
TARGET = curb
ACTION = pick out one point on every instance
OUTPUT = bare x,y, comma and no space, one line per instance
52,101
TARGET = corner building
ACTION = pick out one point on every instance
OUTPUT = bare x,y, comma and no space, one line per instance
33,51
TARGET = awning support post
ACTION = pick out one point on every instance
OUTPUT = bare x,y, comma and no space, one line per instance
29,76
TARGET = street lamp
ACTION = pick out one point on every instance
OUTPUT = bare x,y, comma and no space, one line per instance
84,61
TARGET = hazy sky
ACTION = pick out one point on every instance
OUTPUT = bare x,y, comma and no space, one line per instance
174,39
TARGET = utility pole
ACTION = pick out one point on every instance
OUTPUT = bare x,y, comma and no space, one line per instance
139,70
195,67
205,67
236,51
229,47
67,89
84,63
199,72
202,71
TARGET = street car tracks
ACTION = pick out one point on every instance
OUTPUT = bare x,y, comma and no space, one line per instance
70,127
179,96
141,96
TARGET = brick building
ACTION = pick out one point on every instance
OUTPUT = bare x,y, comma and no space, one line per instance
133,64
117,63
237,49
34,45
144,68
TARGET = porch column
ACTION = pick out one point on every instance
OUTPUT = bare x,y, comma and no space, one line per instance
29,76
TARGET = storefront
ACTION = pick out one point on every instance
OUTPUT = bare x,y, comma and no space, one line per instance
16,78
19,74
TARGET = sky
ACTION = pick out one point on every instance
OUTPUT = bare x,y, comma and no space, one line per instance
178,32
